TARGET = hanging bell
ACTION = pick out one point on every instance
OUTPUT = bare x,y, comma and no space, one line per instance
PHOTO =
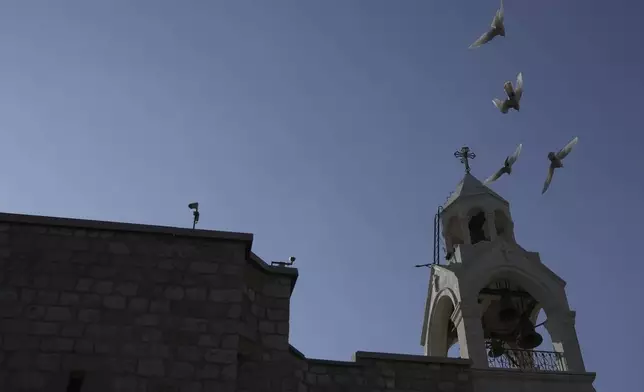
528,338
507,312
496,349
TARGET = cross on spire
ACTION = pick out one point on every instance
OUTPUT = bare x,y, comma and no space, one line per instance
465,155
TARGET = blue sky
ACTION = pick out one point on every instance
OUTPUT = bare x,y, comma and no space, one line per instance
327,129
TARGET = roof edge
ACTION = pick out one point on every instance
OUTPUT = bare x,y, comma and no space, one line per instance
120,226
277,270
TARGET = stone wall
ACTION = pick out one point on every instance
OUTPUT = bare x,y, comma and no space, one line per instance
150,309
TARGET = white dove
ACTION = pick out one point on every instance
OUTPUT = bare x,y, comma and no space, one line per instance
514,96
556,162
496,29
507,166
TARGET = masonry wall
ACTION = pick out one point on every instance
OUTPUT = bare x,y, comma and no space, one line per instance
155,311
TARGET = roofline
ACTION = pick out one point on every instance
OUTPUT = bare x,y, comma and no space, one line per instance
125,227
246,238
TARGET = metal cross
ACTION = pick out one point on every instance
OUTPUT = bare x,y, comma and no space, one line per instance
465,156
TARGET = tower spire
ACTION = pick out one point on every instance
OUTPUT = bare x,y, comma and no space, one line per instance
465,155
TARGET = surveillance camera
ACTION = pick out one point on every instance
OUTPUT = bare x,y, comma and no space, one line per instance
193,206
291,259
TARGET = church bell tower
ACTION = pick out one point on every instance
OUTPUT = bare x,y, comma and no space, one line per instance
486,293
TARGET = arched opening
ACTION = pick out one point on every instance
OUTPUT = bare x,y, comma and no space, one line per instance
454,351
477,226
503,225
515,338
453,237
442,332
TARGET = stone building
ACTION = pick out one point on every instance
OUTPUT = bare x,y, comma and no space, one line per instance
100,306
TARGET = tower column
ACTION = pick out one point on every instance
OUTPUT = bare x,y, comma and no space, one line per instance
561,327
490,226
467,319
465,228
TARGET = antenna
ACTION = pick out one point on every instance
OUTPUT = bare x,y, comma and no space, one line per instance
195,213
288,263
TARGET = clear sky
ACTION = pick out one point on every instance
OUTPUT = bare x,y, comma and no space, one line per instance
327,129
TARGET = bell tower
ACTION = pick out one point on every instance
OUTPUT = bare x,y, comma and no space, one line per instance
487,292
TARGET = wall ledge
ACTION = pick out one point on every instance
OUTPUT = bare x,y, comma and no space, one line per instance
361,356
587,377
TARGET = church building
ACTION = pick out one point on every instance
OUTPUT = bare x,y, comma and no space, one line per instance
88,306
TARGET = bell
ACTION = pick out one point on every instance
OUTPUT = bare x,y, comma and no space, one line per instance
528,338
496,349
507,312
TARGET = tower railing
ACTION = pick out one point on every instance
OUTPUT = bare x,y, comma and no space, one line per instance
529,361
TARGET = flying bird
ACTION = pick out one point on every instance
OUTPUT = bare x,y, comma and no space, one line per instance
514,96
507,166
556,162
497,28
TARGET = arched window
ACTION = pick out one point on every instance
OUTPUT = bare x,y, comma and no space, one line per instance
477,226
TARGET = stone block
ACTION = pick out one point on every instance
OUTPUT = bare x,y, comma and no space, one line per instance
277,314
28,380
174,293
73,330
196,293
118,248
160,306
57,345
149,320
125,384
151,335
69,299
209,341
151,368
98,272
84,284
27,296
191,386
182,370
48,362
127,289
267,327
202,267
277,291
234,312
225,295
189,353
89,315
58,313
220,356
210,372
276,342
194,325
103,287
114,302
20,360
230,342
91,300
283,328
47,297
139,304
229,372
44,329
21,342
84,347
8,294
35,312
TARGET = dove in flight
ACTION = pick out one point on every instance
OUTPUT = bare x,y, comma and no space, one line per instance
556,162
513,100
497,28
507,166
